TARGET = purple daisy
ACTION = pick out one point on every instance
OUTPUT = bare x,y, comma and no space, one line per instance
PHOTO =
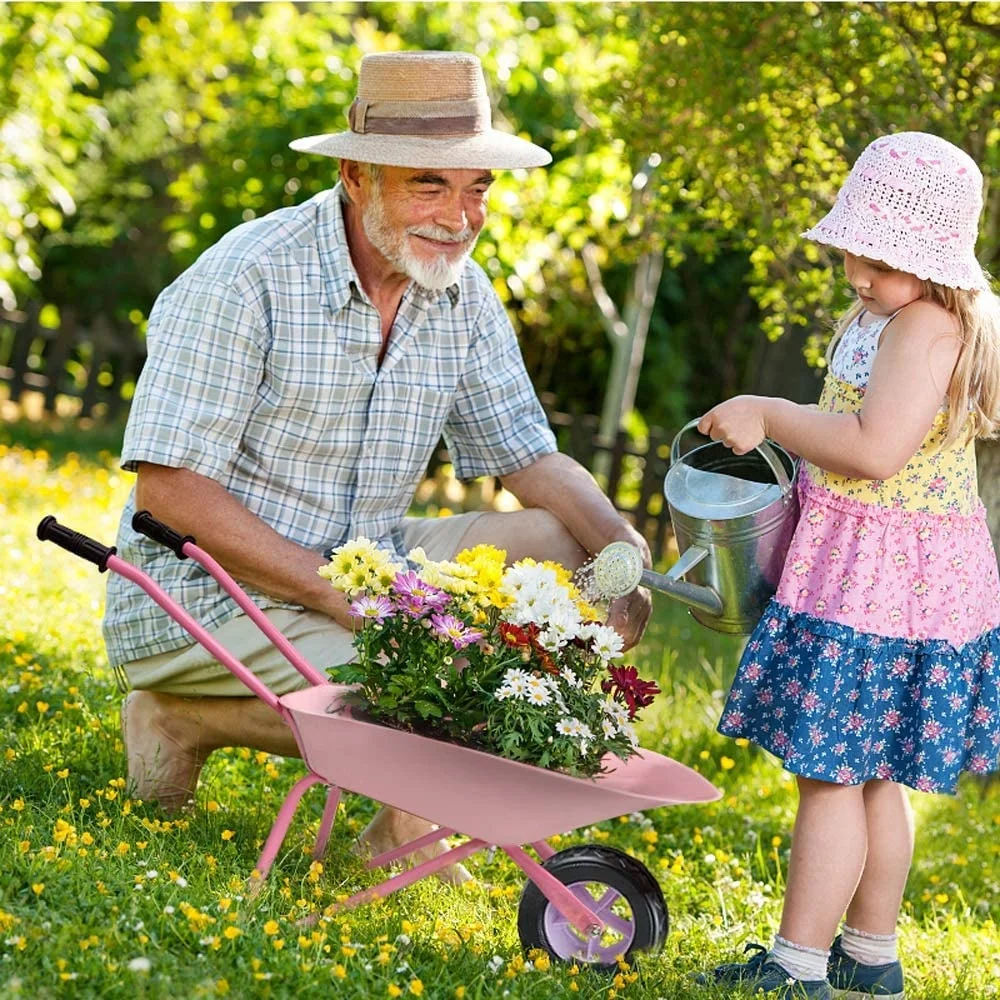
416,596
454,629
371,608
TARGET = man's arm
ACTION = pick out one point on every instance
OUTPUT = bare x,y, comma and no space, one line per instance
567,490
249,549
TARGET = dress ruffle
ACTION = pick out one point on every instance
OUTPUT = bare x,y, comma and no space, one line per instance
845,706
892,572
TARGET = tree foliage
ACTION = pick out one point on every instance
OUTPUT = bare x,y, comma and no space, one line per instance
761,116
49,60
135,135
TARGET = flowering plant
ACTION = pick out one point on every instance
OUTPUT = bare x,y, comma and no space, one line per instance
509,660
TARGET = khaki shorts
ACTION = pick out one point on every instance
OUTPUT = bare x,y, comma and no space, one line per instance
193,671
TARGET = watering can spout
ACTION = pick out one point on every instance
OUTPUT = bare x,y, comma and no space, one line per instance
618,570
694,595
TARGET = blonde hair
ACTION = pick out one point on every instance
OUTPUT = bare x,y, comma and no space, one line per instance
974,390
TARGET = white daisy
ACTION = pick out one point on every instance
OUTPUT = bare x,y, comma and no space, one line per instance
569,727
606,642
538,692
517,680
616,710
570,678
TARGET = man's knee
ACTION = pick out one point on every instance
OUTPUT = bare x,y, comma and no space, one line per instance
536,533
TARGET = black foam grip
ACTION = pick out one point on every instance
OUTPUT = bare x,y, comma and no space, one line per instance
50,530
147,525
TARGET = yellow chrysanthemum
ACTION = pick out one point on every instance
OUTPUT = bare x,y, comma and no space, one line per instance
452,577
359,564
498,599
484,559
563,575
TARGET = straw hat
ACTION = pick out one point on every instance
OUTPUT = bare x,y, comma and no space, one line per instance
424,109
912,201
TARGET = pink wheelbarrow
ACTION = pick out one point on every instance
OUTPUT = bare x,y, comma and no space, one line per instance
588,903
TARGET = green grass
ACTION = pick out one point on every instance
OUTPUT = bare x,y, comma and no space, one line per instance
106,897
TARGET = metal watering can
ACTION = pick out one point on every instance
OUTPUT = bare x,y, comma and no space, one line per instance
733,517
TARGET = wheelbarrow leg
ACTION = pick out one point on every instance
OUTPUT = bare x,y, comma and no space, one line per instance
326,823
274,839
387,857
411,875
575,911
543,849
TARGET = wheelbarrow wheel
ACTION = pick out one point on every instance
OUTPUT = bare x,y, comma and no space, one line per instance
621,891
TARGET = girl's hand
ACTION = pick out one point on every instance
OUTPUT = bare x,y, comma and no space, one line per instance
739,423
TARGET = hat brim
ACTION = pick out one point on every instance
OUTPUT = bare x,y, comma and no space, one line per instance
491,150
845,230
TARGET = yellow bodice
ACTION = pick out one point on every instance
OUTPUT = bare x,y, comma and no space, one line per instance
934,481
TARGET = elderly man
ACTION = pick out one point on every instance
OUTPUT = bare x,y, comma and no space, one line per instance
300,374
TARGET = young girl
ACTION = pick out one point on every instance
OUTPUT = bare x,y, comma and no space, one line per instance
877,664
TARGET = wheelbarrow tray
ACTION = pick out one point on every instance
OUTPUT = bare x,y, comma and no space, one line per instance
478,794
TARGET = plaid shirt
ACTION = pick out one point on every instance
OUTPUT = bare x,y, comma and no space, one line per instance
262,374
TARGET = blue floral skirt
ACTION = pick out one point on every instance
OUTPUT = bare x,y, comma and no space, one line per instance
844,706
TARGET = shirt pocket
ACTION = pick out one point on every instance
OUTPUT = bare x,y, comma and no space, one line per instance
420,417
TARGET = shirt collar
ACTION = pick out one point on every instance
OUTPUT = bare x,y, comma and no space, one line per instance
339,272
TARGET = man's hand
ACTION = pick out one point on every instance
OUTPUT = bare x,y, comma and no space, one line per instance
629,614
563,487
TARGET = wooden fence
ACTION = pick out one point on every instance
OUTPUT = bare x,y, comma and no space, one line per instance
634,474
98,365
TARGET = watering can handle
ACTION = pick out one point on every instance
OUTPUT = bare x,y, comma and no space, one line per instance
766,452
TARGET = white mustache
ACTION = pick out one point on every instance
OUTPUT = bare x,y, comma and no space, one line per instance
440,234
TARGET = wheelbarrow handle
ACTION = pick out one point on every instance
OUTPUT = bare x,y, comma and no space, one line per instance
147,525
50,530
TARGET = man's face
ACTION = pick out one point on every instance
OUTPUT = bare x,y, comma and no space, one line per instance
425,222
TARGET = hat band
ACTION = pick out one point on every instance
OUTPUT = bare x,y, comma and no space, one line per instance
427,118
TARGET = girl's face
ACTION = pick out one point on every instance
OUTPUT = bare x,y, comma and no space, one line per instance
882,289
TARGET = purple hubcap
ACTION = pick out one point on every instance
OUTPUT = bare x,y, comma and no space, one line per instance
568,943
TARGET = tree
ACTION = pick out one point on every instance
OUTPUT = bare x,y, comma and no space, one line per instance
173,123
49,58
759,127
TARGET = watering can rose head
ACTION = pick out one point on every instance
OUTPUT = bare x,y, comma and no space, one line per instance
511,659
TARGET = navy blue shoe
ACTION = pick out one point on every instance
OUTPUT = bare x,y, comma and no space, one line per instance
762,975
853,981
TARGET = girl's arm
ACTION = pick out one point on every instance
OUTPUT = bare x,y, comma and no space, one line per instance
909,379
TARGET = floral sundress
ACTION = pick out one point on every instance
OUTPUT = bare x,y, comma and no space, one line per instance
879,655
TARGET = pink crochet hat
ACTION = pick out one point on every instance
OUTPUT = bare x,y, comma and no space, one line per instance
913,202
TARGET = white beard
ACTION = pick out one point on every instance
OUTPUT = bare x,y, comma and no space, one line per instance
436,274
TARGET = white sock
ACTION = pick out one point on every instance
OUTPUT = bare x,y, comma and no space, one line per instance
868,949
800,962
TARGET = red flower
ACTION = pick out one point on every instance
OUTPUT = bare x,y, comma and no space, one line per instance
548,664
626,685
514,635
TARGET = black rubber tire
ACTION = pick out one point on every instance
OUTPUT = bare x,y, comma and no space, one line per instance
608,866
